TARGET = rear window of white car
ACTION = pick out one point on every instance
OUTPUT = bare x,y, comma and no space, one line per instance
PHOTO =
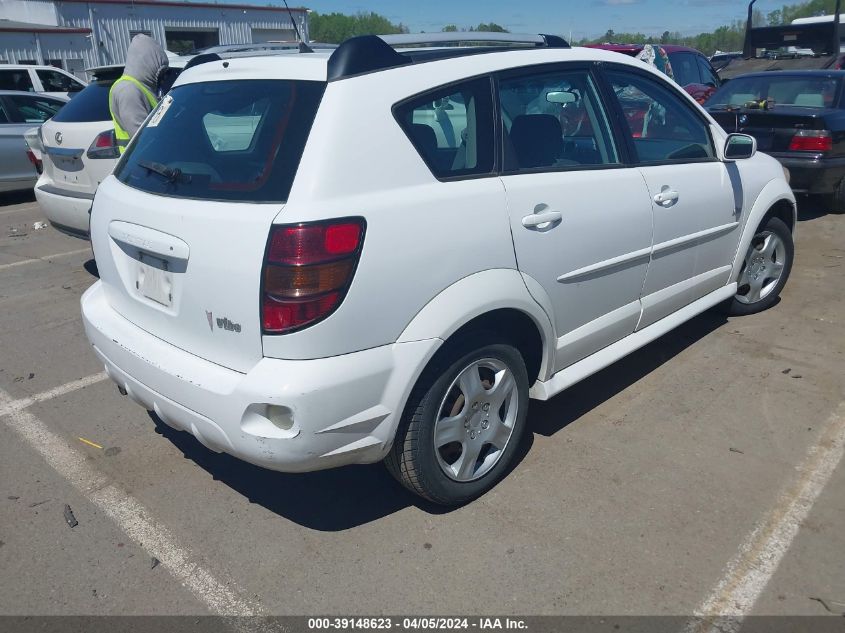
226,140
91,104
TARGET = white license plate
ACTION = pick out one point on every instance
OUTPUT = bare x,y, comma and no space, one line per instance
155,281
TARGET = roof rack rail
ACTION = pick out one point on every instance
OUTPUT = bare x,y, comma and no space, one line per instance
410,39
371,53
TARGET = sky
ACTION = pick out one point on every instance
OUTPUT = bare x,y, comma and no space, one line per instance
584,18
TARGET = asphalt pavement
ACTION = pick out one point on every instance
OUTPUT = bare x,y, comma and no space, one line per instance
702,474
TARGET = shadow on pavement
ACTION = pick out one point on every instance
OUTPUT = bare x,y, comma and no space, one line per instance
812,207
344,498
547,418
9,198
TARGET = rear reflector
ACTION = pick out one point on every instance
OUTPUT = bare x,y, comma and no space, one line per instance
811,141
307,271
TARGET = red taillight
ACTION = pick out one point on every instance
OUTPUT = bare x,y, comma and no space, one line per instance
104,146
307,271
811,141
37,163
104,139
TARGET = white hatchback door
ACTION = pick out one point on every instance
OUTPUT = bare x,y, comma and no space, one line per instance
696,213
581,220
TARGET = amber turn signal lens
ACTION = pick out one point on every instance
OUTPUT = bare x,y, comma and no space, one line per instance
306,281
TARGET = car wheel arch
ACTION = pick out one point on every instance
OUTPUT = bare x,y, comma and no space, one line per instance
510,312
774,200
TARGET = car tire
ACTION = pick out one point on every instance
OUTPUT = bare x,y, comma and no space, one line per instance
463,422
765,269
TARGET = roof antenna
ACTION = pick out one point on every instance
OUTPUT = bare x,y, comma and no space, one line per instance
303,47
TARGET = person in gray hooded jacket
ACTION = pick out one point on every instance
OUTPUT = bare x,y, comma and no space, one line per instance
133,96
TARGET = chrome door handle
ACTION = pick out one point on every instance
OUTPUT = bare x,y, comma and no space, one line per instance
666,196
539,220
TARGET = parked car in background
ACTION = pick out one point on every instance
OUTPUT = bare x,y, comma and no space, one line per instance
326,258
79,151
796,116
47,80
720,59
689,68
19,112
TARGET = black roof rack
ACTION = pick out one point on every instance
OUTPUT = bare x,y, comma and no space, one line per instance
371,53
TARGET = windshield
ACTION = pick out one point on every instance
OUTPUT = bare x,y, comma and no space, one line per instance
792,90
224,140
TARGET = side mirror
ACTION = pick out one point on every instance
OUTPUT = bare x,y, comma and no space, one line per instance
562,97
740,146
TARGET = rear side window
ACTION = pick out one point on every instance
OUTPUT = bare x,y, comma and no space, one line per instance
224,140
53,81
16,80
553,121
452,128
91,104
33,108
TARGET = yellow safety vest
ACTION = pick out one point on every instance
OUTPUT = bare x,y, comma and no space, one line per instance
121,135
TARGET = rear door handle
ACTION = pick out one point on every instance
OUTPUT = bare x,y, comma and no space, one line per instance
666,196
542,220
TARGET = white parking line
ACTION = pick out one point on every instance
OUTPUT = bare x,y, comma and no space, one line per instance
23,403
747,575
46,258
127,512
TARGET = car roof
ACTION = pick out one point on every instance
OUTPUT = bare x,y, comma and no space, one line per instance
314,65
636,48
18,66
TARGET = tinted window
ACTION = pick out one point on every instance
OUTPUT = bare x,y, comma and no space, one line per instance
32,109
92,104
805,91
16,80
224,140
661,126
52,81
554,121
685,68
452,128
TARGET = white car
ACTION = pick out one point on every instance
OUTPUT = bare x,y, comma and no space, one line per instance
47,80
345,284
79,151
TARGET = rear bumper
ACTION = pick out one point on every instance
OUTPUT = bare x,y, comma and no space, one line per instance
345,409
812,173
67,211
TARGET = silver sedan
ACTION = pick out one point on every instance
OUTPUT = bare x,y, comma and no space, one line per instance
19,112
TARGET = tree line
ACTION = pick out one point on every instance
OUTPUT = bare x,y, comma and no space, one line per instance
729,37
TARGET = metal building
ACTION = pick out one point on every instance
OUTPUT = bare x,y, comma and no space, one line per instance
77,34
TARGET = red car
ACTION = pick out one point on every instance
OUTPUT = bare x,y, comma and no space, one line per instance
689,67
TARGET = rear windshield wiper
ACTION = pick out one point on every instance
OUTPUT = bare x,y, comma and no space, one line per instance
173,175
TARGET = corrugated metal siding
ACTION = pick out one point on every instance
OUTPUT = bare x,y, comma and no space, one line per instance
18,46
113,23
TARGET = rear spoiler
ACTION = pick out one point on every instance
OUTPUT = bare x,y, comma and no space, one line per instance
821,37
